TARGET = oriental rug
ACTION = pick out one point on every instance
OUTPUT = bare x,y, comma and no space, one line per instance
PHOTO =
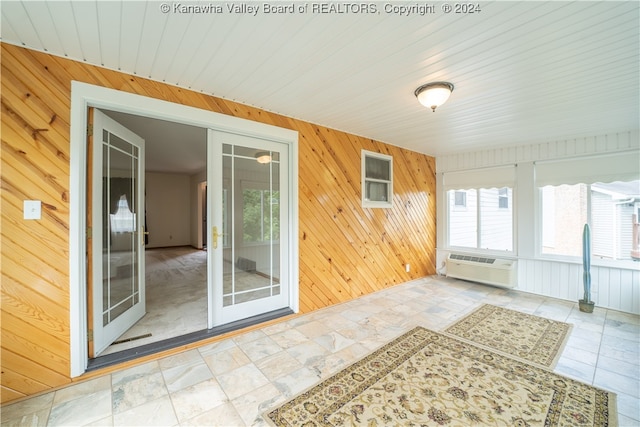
425,378
531,338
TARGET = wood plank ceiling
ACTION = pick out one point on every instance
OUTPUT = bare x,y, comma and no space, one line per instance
523,71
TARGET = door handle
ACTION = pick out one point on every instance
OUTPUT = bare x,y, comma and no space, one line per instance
215,236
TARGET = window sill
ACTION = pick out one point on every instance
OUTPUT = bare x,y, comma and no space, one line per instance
595,262
377,205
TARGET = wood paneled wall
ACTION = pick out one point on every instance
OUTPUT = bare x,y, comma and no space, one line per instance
345,251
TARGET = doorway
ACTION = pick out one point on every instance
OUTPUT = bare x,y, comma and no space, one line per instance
173,273
84,96
233,299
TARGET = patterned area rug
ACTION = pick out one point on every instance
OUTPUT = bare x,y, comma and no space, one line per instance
425,378
531,338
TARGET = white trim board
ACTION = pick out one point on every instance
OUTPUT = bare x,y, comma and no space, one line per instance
84,95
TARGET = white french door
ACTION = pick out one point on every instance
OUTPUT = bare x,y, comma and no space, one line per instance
117,238
248,228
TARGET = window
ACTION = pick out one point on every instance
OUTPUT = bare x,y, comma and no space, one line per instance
479,204
607,207
260,215
377,180
600,190
485,223
503,198
460,199
123,221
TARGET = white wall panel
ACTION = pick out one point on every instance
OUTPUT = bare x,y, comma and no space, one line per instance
613,288
627,288
608,143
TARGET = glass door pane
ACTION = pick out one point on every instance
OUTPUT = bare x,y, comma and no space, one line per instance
250,260
249,236
117,255
120,251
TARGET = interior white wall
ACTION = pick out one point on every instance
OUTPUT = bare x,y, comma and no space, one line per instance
613,287
168,209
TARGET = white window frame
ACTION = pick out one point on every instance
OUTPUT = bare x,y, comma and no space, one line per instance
476,179
449,209
366,203
588,169
573,259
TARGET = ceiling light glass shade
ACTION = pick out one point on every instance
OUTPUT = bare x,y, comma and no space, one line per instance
433,95
263,157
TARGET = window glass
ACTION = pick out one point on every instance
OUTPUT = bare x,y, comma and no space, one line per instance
377,168
503,198
461,199
260,215
496,219
123,221
481,219
609,208
463,219
377,180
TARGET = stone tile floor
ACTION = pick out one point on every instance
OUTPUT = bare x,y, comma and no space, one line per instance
233,381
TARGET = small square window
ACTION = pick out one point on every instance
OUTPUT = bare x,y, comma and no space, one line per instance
460,199
377,180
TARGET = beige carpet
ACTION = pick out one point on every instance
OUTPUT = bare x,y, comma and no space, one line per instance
425,378
531,338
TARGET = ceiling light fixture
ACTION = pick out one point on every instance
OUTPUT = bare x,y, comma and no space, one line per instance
434,94
263,157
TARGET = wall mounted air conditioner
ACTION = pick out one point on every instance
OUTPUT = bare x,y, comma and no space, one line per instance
492,271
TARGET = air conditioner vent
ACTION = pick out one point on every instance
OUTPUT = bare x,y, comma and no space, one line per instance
472,258
492,271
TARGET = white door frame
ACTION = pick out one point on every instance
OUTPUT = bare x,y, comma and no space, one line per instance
84,95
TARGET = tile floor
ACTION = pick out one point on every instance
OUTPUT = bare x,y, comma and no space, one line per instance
232,382
176,297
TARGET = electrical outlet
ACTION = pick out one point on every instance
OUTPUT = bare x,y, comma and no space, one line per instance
407,267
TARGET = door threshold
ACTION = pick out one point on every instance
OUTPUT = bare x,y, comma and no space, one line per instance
157,347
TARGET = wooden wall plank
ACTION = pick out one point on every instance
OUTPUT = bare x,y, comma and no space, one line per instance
27,142
43,235
40,112
346,251
51,192
34,344
53,321
7,394
18,381
42,374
